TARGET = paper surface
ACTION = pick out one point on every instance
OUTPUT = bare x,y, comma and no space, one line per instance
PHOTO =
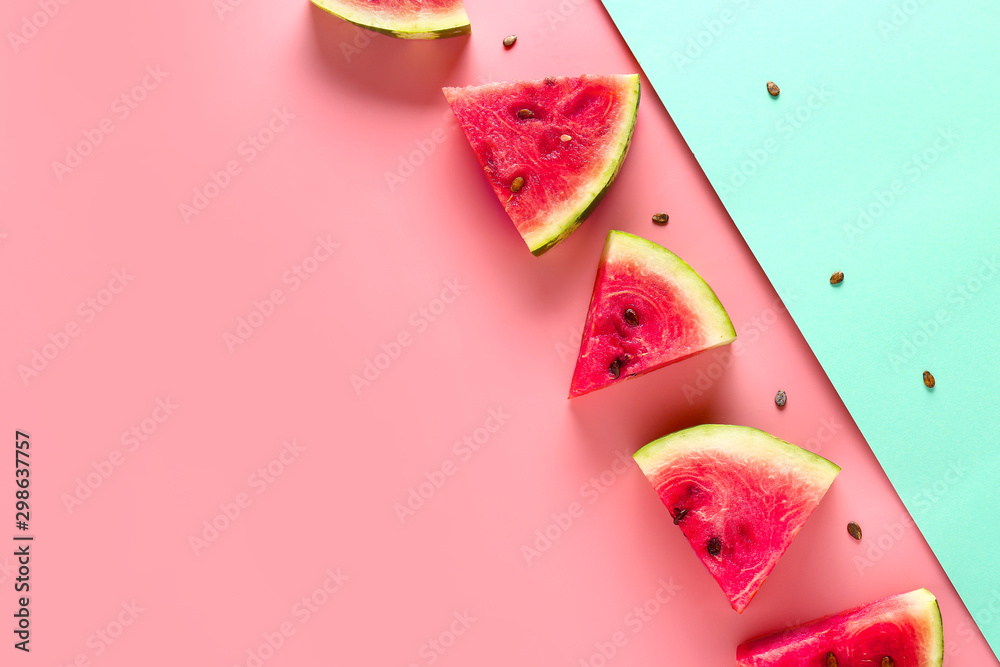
879,158
295,389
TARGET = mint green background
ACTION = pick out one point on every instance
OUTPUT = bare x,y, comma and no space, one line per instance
866,90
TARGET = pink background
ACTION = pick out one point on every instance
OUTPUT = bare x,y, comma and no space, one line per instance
350,109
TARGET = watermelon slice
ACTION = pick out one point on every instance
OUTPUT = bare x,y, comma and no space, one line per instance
550,148
739,496
409,19
648,309
899,631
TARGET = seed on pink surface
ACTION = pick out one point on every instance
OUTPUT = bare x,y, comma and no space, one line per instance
855,530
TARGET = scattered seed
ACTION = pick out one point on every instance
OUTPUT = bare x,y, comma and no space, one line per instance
525,113
631,317
517,184
661,219
780,398
714,546
615,369
679,516
855,530
772,88
831,659
837,278
928,380
565,137
888,662
509,40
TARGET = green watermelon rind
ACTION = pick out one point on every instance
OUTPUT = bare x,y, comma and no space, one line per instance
939,626
659,453
937,639
547,236
712,314
453,26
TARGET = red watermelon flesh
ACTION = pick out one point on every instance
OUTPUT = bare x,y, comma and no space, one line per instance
739,495
648,309
564,137
409,19
902,631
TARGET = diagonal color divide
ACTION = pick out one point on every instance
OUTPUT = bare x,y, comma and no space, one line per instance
879,158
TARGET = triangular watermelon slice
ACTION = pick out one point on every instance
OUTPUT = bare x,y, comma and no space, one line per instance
408,19
898,631
739,496
648,309
550,148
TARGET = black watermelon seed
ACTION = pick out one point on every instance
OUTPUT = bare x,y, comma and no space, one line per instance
631,317
780,398
615,369
661,219
509,40
929,380
679,516
831,659
714,546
